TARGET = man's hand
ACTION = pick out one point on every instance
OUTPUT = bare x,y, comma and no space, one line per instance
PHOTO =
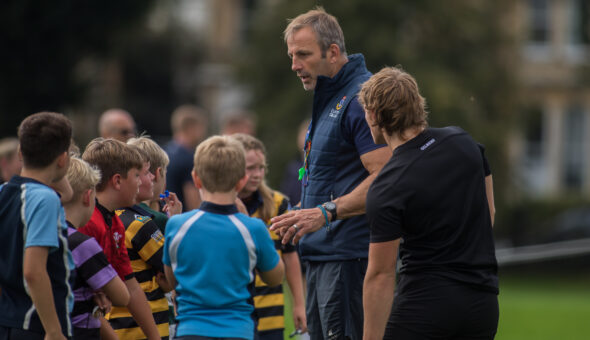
294,224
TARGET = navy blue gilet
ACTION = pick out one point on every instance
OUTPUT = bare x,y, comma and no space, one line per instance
335,168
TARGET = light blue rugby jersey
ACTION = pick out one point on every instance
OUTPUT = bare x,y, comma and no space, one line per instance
31,215
213,252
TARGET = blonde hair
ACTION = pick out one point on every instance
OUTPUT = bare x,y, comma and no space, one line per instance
324,25
111,157
8,147
394,97
82,176
220,162
252,143
155,154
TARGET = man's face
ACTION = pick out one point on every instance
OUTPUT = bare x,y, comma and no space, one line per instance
123,128
306,57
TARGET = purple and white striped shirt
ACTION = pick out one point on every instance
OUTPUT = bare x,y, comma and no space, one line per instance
93,271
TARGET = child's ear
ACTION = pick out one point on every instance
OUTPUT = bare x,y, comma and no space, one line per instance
241,183
86,197
196,180
157,174
62,160
160,173
116,181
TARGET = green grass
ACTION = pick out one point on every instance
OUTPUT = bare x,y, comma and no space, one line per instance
536,307
551,307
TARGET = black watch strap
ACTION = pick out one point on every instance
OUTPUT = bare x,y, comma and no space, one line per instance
331,208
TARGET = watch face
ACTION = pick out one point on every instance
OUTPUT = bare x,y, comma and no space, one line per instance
330,206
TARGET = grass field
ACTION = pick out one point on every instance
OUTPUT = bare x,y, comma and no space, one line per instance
552,307
536,307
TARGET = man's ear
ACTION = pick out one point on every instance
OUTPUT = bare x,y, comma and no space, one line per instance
333,53
86,197
241,183
196,180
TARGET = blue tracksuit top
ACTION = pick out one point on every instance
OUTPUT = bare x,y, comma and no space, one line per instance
334,166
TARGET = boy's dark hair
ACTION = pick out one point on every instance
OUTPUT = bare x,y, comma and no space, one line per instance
44,136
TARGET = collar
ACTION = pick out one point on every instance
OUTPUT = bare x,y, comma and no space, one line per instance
21,180
225,209
106,214
348,70
253,202
414,143
140,210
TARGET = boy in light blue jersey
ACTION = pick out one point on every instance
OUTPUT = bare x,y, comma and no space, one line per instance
210,253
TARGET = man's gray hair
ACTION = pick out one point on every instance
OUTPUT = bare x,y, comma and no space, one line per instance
324,25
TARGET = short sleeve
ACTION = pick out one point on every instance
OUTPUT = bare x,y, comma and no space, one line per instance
385,208
42,215
91,263
267,256
486,164
356,130
148,242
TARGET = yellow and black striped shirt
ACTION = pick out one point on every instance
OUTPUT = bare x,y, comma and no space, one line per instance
145,243
269,301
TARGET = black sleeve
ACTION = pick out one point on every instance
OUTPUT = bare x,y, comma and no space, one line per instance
385,209
486,165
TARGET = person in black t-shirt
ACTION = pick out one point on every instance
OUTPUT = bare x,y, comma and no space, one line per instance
433,201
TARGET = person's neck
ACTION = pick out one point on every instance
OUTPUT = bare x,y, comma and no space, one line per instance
74,215
182,140
396,140
221,198
338,66
245,195
44,175
107,200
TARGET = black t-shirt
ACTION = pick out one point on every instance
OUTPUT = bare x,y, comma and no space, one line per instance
432,194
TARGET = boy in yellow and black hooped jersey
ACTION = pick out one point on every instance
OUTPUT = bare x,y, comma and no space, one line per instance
144,242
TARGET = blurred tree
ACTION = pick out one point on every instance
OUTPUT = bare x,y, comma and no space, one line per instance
43,41
461,52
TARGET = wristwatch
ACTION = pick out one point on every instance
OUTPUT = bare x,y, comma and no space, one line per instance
331,208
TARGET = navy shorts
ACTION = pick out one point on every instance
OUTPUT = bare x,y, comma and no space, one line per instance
7,333
335,299
431,307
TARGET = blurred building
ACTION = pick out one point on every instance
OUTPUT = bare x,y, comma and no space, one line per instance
551,151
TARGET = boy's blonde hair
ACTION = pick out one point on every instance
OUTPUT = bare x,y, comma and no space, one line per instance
8,147
82,176
111,157
155,154
220,162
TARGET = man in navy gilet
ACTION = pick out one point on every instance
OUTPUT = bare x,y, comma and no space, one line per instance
341,161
